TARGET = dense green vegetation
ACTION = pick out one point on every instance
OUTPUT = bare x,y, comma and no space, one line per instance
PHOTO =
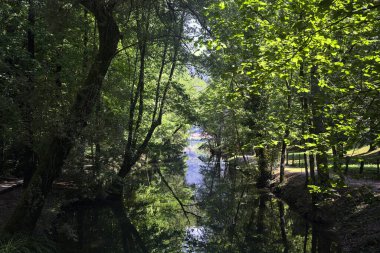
102,95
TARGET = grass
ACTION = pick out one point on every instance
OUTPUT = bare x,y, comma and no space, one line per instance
370,170
362,151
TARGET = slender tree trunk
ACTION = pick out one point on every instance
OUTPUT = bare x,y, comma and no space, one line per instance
347,163
2,150
286,136
305,238
306,169
282,160
28,160
312,168
282,226
28,210
308,124
264,170
318,126
260,214
335,158
293,159
299,160
361,167
133,151
314,239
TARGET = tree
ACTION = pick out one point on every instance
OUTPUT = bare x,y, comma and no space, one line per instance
58,147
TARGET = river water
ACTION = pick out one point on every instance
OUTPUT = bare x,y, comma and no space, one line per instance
226,214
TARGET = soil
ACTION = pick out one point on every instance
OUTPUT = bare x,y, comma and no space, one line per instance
352,213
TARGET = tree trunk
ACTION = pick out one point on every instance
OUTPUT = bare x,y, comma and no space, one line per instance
314,238
28,210
335,158
286,136
361,167
282,226
293,159
347,163
287,157
260,215
312,168
306,238
263,166
306,169
318,126
282,160
305,106
28,159
299,160
133,151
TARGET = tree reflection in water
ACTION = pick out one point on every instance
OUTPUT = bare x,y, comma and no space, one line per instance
235,217
97,226
239,218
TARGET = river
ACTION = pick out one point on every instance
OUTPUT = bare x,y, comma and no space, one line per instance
227,213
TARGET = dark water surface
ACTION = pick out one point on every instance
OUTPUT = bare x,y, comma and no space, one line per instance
231,215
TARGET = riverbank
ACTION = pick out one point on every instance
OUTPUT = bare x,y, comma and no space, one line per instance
353,214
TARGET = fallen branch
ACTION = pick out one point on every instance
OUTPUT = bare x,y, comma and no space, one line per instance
185,212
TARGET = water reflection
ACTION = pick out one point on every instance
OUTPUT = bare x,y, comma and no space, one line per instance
97,226
239,218
193,175
235,216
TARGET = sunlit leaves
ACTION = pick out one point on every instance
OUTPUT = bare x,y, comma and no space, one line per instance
274,40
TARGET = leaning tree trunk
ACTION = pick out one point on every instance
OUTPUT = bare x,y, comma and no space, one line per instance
28,210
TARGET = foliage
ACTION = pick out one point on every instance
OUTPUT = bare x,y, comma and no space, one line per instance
23,244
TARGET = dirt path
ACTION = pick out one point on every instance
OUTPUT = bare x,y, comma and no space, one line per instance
352,182
7,184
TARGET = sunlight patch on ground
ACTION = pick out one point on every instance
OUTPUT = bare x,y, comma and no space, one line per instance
362,151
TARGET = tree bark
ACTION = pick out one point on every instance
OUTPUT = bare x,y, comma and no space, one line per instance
28,210
305,106
263,166
361,169
347,163
28,159
283,152
319,127
286,136
282,226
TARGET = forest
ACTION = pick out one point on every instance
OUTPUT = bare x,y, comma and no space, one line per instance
190,126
